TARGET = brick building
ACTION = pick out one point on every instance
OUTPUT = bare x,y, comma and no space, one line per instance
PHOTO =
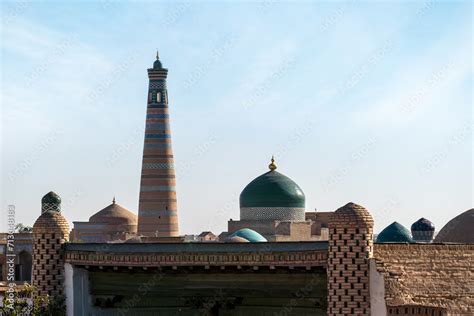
277,259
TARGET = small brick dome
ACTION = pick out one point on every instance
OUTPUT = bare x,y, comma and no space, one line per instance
352,214
394,232
51,221
459,229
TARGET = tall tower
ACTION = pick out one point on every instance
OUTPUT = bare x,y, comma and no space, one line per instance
157,210
350,247
50,232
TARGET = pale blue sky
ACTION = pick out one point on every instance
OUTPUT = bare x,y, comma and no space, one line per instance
364,102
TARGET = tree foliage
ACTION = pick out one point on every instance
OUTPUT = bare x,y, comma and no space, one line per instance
28,303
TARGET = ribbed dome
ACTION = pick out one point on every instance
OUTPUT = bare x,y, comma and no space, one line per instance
459,229
423,225
114,214
248,234
51,202
422,230
272,189
394,232
51,197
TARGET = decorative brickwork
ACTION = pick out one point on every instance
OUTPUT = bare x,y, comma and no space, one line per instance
350,247
272,213
50,232
305,255
157,210
416,310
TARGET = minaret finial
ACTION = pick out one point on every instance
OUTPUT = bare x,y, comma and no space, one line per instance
157,55
113,200
272,166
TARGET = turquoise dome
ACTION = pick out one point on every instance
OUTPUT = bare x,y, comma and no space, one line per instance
272,189
248,234
394,232
52,198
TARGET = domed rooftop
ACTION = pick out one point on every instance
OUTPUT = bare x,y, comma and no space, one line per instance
236,239
249,235
351,214
114,214
272,196
394,232
459,229
422,225
51,197
51,202
422,230
51,221
157,64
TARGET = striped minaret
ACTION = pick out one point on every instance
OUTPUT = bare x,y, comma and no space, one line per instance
157,211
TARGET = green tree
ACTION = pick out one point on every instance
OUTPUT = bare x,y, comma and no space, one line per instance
28,303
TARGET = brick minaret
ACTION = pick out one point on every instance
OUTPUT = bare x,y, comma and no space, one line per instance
157,210
50,232
350,247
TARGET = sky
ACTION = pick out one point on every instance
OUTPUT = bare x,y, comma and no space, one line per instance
364,102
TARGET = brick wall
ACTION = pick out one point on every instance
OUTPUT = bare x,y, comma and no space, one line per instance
438,275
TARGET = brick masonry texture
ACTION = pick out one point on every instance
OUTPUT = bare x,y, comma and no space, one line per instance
157,210
50,232
428,275
350,247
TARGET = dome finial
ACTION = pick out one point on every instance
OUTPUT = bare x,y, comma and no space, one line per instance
272,166
157,55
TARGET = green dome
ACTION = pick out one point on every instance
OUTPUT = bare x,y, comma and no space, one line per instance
248,234
394,232
51,197
272,189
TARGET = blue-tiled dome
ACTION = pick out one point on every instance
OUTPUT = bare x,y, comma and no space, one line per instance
422,230
423,224
236,239
394,232
249,234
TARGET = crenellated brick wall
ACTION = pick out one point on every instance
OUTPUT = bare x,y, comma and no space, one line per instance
439,275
